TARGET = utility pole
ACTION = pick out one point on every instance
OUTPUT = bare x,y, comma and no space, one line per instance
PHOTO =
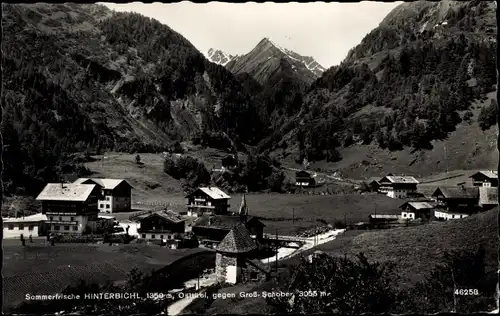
293,216
276,251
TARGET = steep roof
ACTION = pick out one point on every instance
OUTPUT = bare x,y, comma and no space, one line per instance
223,222
26,219
108,184
458,192
491,174
66,192
213,192
488,196
400,179
238,240
168,215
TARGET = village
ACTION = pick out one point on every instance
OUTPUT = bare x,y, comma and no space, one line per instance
97,210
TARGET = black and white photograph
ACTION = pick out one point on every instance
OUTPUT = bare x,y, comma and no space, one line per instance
250,158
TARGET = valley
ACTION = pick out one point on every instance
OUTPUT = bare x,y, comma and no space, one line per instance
258,171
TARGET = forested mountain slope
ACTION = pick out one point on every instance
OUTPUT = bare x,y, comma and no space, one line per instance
410,82
80,77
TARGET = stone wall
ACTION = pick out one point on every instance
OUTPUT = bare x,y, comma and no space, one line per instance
221,263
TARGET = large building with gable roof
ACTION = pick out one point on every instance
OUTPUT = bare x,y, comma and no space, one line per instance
398,187
70,208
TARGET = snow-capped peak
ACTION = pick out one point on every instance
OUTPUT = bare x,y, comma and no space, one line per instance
218,56
308,62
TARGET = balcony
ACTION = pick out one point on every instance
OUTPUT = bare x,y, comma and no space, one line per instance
62,222
200,206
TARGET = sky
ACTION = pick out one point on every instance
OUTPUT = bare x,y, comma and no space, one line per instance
325,31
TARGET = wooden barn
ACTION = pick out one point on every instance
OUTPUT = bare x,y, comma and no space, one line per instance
160,225
487,178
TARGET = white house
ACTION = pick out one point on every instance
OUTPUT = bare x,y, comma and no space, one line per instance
26,226
115,194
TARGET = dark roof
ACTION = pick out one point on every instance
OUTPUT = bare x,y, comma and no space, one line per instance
490,174
224,222
458,192
238,240
168,215
303,173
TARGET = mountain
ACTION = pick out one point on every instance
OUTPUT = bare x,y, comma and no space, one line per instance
268,58
277,79
219,57
414,83
81,77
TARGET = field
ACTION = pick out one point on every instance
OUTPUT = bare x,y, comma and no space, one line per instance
277,211
41,269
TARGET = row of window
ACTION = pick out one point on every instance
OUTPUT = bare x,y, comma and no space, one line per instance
102,205
154,236
66,227
72,219
21,227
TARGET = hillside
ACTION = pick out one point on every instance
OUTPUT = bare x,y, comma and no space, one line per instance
108,81
415,251
424,75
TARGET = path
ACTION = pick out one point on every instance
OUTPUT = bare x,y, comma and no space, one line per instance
178,306
309,243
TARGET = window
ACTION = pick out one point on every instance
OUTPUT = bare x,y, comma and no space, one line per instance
152,236
51,218
404,215
101,206
66,227
60,218
21,226
452,216
11,227
107,205
108,198
75,228
169,237
72,219
31,227
57,227
460,216
161,236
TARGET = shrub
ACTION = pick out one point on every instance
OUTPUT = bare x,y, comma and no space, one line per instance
488,115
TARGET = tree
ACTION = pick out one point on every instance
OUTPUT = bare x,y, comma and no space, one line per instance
460,270
338,286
